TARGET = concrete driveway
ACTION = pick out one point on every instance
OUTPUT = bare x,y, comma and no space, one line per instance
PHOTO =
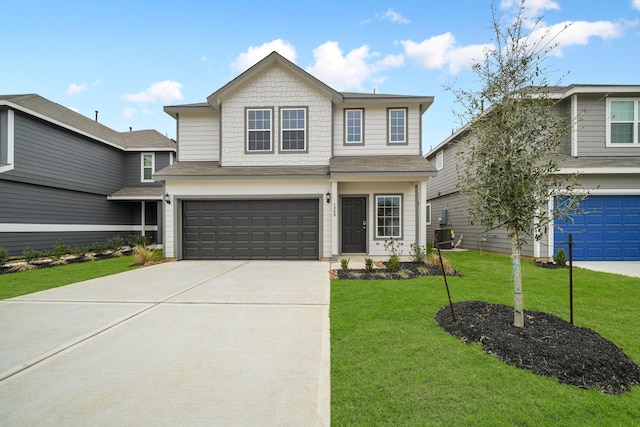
209,343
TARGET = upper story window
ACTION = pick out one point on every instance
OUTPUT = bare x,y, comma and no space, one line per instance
6,140
623,121
440,160
388,216
259,129
397,125
148,166
354,126
294,129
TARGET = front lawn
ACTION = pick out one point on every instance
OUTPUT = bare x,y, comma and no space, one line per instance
26,282
392,364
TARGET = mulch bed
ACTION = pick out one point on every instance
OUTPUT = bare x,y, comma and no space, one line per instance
547,345
408,270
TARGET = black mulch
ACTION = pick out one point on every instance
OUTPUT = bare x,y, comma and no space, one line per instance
547,345
408,270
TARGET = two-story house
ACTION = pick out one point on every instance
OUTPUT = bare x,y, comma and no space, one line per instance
278,165
602,144
64,176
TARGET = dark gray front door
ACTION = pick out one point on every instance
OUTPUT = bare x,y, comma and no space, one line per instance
354,224
250,229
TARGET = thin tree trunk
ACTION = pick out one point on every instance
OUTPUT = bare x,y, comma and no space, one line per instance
518,310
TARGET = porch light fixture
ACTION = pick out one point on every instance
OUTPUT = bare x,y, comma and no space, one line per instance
328,197
167,198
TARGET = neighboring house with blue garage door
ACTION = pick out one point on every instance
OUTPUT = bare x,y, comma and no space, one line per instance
278,165
66,177
603,144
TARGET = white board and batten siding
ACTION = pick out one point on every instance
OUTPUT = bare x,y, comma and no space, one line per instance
248,190
199,137
376,133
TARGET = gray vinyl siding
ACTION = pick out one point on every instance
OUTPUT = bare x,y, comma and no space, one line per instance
592,128
48,155
133,168
446,180
16,243
473,236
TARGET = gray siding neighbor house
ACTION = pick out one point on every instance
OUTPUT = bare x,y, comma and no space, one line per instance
603,145
278,165
66,177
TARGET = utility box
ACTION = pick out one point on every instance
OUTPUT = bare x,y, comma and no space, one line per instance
445,238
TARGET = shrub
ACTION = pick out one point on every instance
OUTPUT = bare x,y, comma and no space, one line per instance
60,249
143,254
137,240
30,255
368,264
393,247
393,264
4,256
560,257
433,261
344,263
114,243
418,253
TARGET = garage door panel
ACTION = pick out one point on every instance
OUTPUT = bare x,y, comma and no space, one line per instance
251,229
609,229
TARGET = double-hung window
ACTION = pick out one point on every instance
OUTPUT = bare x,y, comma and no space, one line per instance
294,129
440,160
388,216
148,166
623,121
259,129
397,123
354,126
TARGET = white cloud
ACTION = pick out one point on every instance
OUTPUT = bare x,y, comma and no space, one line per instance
204,58
350,71
75,89
567,34
256,53
166,91
394,17
635,4
129,113
439,51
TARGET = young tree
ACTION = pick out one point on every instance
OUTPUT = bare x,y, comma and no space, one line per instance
508,157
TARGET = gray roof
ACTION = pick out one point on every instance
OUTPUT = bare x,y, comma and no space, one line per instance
58,114
401,165
137,193
213,169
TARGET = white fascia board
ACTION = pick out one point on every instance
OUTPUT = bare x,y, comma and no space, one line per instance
601,89
57,123
599,171
151,149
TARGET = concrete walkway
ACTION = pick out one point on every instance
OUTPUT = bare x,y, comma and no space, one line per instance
188,343
626,268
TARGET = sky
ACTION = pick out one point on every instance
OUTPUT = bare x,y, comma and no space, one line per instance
128,59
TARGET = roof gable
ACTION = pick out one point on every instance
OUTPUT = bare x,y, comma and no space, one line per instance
272,60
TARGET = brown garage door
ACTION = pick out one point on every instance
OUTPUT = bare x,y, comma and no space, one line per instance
250,229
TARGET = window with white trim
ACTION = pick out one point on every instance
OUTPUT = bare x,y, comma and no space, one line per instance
148,166
623,121
293,129
440,160
388,216
259,129
428,206
397,119
353,126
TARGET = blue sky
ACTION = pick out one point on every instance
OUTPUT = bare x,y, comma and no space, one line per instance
127,59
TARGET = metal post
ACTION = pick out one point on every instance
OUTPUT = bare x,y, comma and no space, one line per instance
444,275
571,277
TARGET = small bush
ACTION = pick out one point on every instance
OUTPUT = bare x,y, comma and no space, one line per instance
114,243
393,247
393,264
31,255
137,240
344,263
143,254
418,253
4,256
368,264
560,257
60,249
433,261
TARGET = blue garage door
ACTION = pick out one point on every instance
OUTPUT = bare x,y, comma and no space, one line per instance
608,231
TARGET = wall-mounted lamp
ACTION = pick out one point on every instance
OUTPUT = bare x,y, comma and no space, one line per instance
167,199
328,197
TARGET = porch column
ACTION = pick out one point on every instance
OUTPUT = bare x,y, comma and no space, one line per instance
335,232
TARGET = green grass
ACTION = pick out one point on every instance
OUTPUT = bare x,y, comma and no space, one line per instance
391,364
16,284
